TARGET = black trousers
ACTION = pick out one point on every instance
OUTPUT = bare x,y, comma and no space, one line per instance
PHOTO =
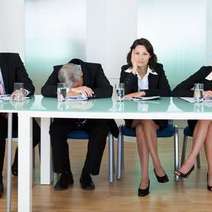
3,135
97,130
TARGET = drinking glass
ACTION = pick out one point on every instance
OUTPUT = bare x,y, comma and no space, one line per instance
61,92
120,91
18,92
198,92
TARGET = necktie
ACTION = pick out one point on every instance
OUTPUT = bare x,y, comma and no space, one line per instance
1,89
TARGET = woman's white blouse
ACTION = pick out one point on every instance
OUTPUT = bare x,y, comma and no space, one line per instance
143,83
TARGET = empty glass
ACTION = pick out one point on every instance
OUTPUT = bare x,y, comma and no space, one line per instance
120,92
198,92
18,92
61,92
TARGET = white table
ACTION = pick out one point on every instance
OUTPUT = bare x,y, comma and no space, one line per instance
47,108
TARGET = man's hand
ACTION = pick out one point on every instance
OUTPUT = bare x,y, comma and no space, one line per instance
207,93
84,90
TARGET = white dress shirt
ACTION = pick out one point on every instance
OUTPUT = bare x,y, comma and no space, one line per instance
2,90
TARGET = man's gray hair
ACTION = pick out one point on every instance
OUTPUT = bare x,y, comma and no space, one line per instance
70,73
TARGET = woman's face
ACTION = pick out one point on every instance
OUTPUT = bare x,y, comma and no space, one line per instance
141,56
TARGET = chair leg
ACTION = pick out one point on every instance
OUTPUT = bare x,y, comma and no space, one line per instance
185,141
122,153
111,158
176,151
119,155
198,161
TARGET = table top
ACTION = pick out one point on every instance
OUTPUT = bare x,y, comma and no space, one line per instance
163,108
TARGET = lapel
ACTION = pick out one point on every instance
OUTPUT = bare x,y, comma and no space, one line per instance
207,80
135,82
131,83
153,81
5,72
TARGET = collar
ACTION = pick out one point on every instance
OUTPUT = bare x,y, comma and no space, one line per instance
209,76
149,71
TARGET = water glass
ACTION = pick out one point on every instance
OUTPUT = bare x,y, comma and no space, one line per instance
18,92
198,92
120,92
61,92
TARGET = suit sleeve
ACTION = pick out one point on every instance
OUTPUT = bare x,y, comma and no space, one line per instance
50,87
163,87
185,87
102,88
22,76
128,80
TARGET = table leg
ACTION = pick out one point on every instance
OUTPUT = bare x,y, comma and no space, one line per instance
24,163
45,167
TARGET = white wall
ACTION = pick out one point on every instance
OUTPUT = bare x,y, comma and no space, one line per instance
55,32
111,29
12,26
209,33
111,26
177,31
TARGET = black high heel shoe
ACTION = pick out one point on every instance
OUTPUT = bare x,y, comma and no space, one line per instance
163,179
143,192
208,186
180,174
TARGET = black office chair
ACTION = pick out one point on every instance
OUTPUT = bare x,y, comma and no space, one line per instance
83,135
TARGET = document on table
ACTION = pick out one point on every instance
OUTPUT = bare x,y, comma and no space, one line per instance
5,97
192,100
188,99
145,98
77,98
208,99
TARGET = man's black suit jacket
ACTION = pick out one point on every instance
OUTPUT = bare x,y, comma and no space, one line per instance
13,70
158,83
185,87
93,77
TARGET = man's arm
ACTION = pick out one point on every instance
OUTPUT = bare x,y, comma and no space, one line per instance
185,87
50,87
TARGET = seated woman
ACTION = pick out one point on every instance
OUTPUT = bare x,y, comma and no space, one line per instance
143,76
201,129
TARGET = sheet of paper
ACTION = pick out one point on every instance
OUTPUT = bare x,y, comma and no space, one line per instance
145,98
188,99
77,98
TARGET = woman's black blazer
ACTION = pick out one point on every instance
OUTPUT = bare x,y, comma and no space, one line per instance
158,84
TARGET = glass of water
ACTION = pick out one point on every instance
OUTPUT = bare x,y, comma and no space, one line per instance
198,92
18,92
61,92
120,91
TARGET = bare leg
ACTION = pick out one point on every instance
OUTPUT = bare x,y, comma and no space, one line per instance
208,152
150,130
199,137
143,155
